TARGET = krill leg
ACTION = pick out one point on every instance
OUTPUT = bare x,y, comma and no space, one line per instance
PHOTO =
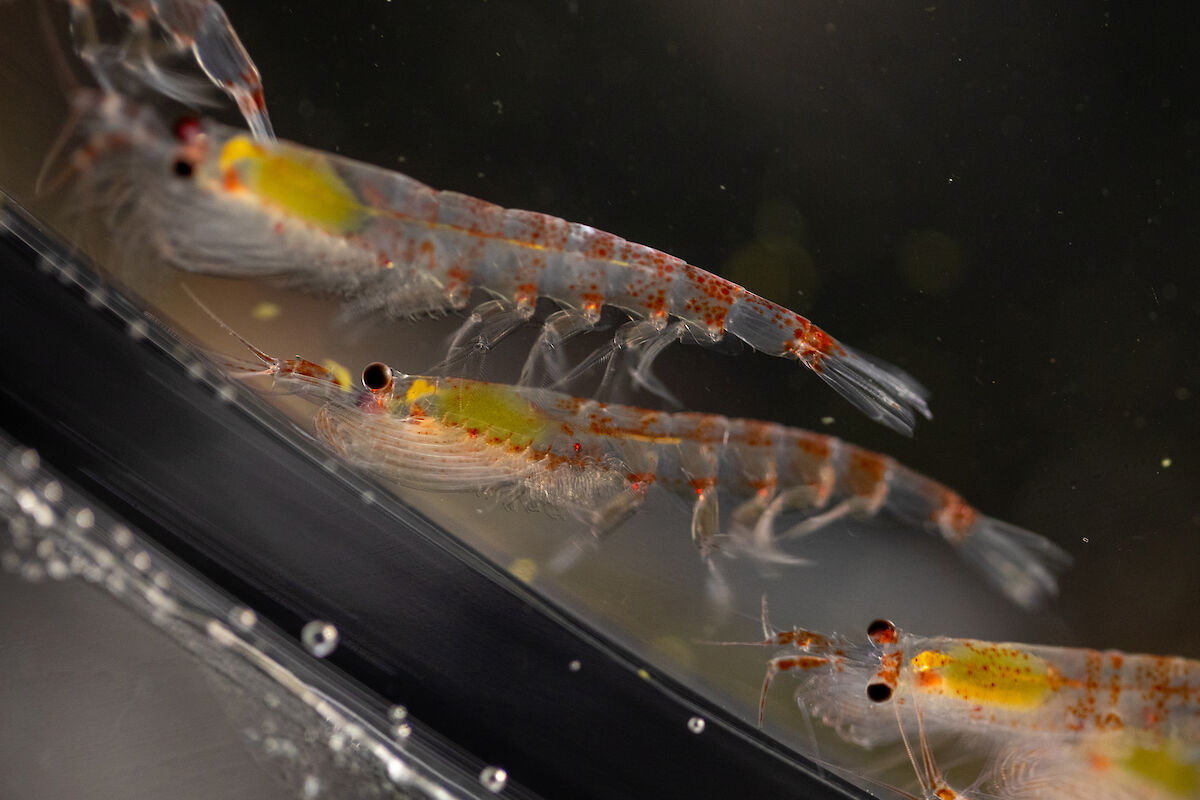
547,363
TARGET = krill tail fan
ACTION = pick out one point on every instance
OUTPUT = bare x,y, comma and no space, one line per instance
1018,562
884,393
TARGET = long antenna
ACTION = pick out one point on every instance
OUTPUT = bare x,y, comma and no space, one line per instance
63,73
70,86
263,357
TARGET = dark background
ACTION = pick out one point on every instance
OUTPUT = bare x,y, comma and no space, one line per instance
1001,198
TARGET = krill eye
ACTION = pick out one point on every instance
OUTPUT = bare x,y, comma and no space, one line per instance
882,631
182,168
376,376
879,692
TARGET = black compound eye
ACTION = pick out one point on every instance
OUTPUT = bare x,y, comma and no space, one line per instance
376,376
879,692
183,168
882,631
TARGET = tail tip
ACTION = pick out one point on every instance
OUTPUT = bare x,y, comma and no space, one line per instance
1021,564
883,392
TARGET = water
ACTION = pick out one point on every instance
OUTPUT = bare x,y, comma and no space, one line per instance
946,189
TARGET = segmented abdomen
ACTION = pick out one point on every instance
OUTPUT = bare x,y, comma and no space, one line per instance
745,457
465,242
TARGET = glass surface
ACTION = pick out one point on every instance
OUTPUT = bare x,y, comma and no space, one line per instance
240,688
1001,201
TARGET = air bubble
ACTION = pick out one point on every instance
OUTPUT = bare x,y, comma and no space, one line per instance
398,713
195,370
84,519
138,329
96,297
155,597
140,561
226,394
58,569
312,786
32,572
575,665
45,549
122,537
29,459
320,638
10,561
27,500
696,725
494,779
402,731
243,618
52,491
43,516
25,461
368,497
